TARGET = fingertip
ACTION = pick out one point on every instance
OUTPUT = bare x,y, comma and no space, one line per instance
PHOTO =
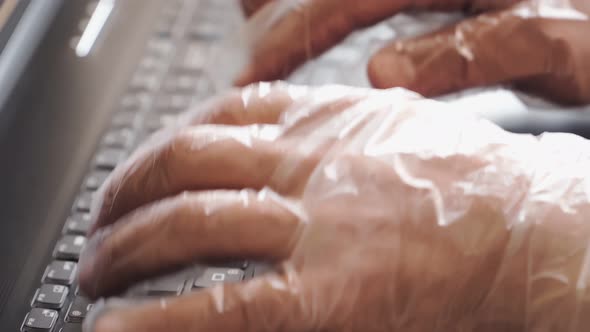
388,69
246,77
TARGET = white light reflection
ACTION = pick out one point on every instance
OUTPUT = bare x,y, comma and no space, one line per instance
95,24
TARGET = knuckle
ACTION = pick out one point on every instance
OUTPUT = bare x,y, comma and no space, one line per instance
162,163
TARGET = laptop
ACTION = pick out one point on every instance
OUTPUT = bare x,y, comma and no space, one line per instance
82,84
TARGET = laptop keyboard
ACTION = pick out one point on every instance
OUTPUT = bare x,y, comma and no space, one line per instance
168,79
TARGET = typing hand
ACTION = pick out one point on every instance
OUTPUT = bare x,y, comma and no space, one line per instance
539,45
381,210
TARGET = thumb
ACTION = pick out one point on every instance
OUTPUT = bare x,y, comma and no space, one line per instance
488,49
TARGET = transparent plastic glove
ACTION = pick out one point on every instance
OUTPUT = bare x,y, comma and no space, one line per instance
540,45
381,211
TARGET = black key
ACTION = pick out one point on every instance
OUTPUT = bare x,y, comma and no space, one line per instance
109,158
165,287
60,272
78,310
234,264
71,328
95,180
237,264
215,275
40,319
79,224
84,202
69,247
51,296
118,138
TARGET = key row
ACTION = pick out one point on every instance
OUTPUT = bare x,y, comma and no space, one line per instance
51,297
42,319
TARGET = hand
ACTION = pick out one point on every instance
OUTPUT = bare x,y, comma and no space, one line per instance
381,210
529,43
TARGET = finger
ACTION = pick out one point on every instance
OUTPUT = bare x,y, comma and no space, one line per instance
493,48
264,103
199,158
266,304
187,228
261,103
286,33
221,157
292,32
571,85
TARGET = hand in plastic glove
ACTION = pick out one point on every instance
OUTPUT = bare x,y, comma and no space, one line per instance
541,45
381,210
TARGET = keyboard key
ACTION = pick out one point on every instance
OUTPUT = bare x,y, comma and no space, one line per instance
165,287
205,31
238,264
124,119
143,82
192,58
180,82
149,64
78,310
109,158
119,138
79,224
69,247
134,101
51,296
159,48
71,328
157,121
173,103
60,272
40,319
83,202
95,180
215,275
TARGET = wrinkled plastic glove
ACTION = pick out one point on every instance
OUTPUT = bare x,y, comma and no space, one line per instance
541,46
381,211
